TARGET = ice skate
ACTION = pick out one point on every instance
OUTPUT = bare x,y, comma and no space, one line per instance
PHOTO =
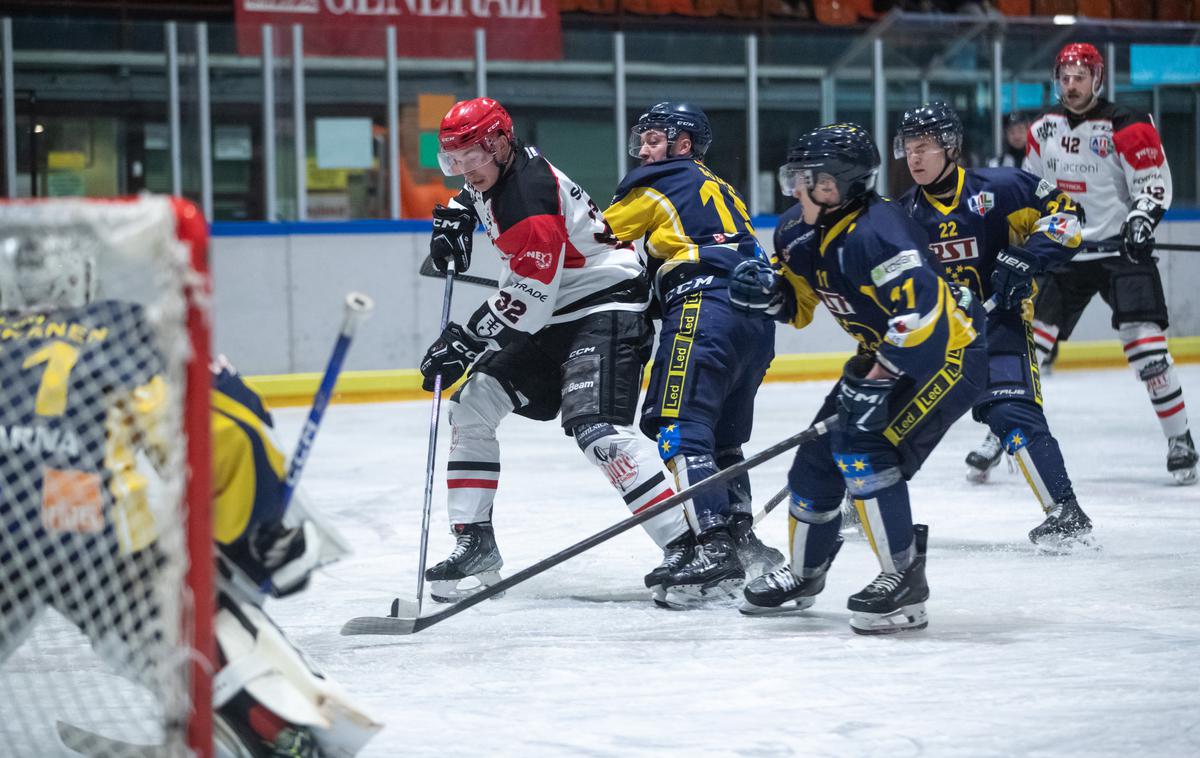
714,572
1182,458
474,556
782,591
676,553
1066,528
983,459
894,602
756,556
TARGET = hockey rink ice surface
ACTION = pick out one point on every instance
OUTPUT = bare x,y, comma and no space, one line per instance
1095,654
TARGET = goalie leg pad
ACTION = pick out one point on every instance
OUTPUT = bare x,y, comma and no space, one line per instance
473,469
634,471
1145,346
268,668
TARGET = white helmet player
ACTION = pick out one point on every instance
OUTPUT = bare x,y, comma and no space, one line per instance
46,273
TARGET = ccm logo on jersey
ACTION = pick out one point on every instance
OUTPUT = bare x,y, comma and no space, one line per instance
894,266
953,251
836,304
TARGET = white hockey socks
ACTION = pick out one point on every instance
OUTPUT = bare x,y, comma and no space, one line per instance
634,469
1146,350
1045,337
473,469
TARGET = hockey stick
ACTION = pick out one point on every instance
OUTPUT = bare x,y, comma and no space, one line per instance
1165,246
775,500
358,307
400,625
428,269
431,454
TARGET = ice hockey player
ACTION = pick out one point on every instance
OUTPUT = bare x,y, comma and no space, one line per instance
103,576
269,701
565,332
994,230
921,364
710,358
1111,160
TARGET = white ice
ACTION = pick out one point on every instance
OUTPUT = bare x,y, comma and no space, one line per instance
1094,654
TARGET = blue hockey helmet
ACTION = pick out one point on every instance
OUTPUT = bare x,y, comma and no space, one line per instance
672,119
935,120
845,152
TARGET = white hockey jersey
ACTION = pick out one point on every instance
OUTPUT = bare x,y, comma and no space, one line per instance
561,261
1107,160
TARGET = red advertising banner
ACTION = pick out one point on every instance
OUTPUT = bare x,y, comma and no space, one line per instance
516,29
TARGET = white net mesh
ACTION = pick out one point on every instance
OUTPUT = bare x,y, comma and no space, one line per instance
93,464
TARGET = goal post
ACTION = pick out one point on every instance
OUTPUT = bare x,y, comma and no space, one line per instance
106,567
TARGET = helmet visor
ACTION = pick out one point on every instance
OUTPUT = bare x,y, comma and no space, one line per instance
921,145
790,177
648,134
459,162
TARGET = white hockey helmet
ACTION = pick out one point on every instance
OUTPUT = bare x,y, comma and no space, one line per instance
39,274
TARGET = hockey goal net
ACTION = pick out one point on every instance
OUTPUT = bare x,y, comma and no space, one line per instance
105,550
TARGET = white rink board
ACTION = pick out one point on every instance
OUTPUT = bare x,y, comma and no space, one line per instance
1025,654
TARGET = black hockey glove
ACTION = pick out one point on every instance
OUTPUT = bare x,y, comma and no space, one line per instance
756,288
1012,279
450,356
862,402
1137,233
453,230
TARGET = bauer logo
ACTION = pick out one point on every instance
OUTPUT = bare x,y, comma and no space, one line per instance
981,203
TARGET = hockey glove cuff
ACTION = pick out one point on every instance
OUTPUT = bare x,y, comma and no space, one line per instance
754,287
1137,233
862,403
453,353
453,230
1012,279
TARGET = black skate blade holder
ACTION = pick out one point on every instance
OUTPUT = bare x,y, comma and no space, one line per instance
410,623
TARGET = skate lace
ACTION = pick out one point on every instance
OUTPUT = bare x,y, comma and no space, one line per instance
782,579
991,447
885,583
461,547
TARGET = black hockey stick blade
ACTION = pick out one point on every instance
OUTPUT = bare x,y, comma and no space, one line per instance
428,269
398,625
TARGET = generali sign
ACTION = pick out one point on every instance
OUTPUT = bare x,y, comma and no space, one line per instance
516,29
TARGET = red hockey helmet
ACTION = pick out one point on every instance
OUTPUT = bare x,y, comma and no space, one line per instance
1082,54
466,139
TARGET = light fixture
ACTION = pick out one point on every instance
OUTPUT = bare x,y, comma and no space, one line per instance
1064,20
39,128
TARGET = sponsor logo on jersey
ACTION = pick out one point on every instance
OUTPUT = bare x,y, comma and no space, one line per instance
1044,188
956,250
1069,186
72,501
1046,130
894,266
1057,165
576,386
718,238
981,203
1146,155
535,294
1101,146
39,441
837,305
542,260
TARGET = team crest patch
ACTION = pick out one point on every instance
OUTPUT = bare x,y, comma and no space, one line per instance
981,203
1044,188
719,238
1101,146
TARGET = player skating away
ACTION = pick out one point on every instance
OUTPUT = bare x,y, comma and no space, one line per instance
566,331
710,358
1111,160
994,229
921,364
